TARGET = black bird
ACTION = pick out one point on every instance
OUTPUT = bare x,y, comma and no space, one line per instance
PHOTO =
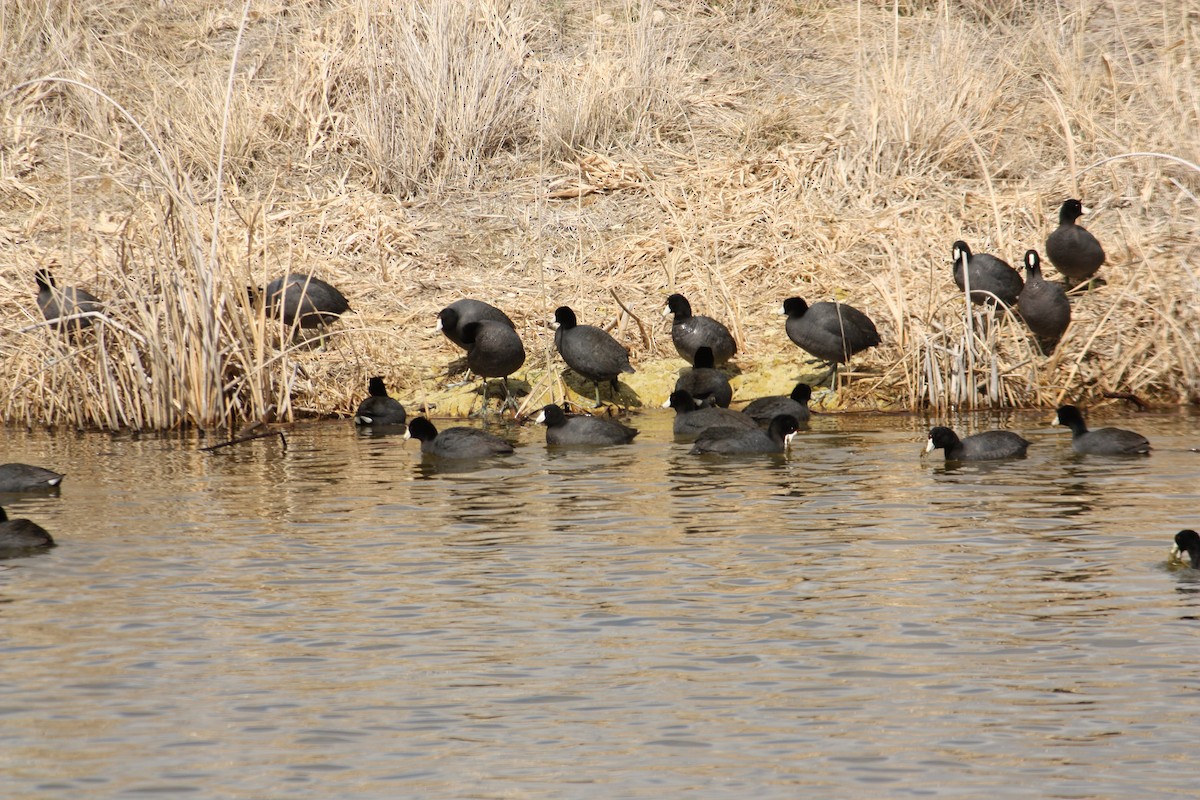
704,381
1043,305
737,441
312,301
691,419
690,332
582,429
589,351
456,443
378,409
27,478
991,278
765,409
454,317
21,534
56,302
1187,548
986,446
494,350
1102,441
833,332
1071,248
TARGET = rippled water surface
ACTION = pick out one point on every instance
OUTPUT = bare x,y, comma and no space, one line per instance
340,620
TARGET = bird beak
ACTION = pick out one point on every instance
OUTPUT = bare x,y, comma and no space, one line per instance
666,403
438,327
1085,209
787,440
1054,421
407,435
541,417
928,446
666,312
1176,553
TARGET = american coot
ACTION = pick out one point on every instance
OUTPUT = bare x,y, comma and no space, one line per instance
21,534
991,279
494,350
454,317
378,409
986,446
765,409
833,332
733,441
56,302
464,443
692,331
311,300
1043,305
1071,248
704,381
1102,441
691,419
27,478
588,350
1187,548
582,429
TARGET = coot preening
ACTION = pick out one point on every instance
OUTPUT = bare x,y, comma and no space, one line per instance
27,478
704,381
310,300
765,409
588,350
582,429
991,279
22,534
691,419
57,302
736,441
1102,441
986,446
456,443
833,332
494,350
1043,305
691,331
454,317
1187,548
1071,248
378,409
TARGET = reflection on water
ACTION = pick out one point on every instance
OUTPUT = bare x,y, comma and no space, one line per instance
343,619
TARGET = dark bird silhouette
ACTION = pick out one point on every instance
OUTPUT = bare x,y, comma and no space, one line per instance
456,443
1071,248
1043,305
589,351
1102,441
21,534
310,301
765,409
582,429
691,419
704,381
494,350
378,409
692,331
27,478
833,332
56,302
991,278
741,441
986,446
456,316
1187,548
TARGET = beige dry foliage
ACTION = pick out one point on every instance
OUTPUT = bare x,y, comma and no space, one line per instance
166,156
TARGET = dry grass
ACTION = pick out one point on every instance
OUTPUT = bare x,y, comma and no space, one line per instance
600,155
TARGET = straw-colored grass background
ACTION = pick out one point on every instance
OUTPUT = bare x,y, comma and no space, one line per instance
597,154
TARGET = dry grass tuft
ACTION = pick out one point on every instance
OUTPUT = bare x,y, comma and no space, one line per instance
166,156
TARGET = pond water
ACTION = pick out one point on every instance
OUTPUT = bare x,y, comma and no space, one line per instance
338,619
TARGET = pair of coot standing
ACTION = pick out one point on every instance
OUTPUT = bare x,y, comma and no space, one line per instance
991,445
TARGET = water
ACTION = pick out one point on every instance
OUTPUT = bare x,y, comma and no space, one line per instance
340,620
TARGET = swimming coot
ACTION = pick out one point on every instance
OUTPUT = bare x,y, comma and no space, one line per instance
56,302
27,478
454,317
1187,548
986,446
310,300
1102,441
378,409
1071,248
704,381
464,443
991,278
691,419
692,331
22,534
765,409
589,351
582,429
1043,305
832,332
734,441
